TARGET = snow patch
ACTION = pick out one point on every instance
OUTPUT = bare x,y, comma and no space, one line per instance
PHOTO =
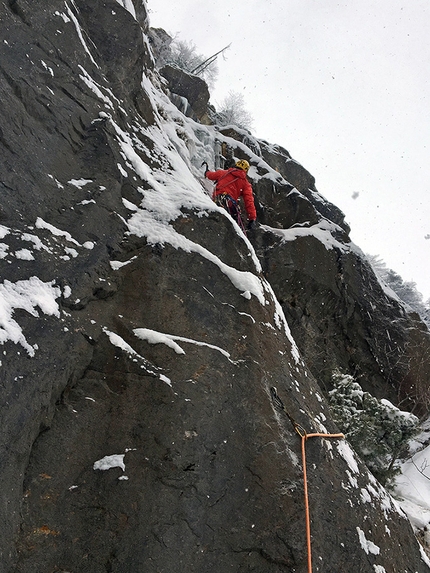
41,224
79,183
367,546
142,224
128,5
108,462
25,295
119,342
154,337
95,88
322,231
80,35
347,454
24,255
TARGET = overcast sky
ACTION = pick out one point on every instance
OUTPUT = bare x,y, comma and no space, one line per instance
345,87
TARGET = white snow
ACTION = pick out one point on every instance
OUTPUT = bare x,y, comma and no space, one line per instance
116,340
321,231
72,252
37,243
108,462
365,496
41,224
80,35
25,295
96,89
116,265
142,224
87,202
154,337
24,254
79,183
3,250
47,68
412,488
128,5
62,15
367,546
347,454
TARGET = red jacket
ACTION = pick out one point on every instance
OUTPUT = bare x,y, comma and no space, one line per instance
234,182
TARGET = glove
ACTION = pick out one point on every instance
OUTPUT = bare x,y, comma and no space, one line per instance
252,225
207,166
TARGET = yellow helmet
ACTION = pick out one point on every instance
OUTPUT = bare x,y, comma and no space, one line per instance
242,164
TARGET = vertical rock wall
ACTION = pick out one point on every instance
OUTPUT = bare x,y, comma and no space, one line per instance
141,337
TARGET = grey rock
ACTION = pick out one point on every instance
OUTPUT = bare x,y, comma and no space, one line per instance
190,87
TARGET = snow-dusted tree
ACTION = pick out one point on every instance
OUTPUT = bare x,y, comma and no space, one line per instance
183,55
377,430
427,313
405,290
232,112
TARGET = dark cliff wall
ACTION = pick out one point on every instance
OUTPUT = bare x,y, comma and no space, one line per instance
140,336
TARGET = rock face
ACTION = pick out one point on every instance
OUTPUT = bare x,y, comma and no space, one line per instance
192,89
141,335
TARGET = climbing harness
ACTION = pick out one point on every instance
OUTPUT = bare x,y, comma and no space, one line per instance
223,199
304,436
231,206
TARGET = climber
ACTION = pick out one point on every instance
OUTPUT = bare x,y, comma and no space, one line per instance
230,185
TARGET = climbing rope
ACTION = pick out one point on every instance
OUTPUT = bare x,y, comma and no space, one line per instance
231,206
304,437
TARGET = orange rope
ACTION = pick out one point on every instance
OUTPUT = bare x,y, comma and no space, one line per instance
304,436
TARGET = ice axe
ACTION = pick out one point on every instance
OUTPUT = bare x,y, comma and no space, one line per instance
207,166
